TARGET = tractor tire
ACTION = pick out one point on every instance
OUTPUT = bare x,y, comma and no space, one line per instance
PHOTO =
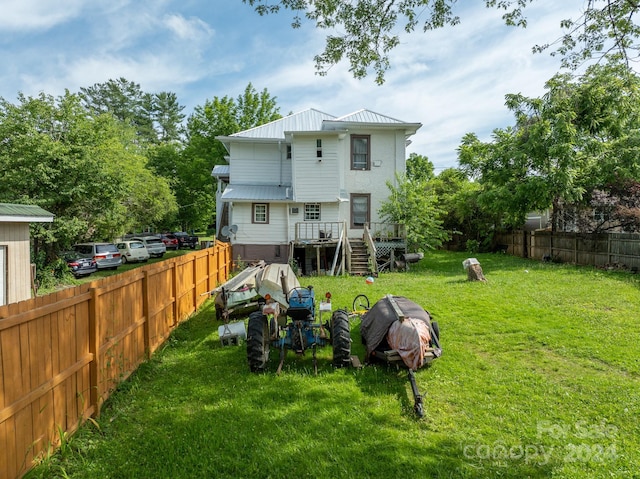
341,339
258,342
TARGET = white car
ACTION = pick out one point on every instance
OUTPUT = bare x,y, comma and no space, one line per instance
154,245
133,251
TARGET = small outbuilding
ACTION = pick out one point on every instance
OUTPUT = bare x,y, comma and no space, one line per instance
15,251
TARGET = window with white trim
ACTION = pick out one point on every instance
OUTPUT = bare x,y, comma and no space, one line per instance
260,213
312,211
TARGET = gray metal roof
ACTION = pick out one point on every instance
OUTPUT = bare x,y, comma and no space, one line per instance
367,116
314,120
307,120
15,213
256,193
220,170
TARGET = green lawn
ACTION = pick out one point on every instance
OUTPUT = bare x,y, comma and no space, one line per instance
539,378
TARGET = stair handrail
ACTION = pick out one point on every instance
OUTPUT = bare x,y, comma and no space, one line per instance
371,249
347,246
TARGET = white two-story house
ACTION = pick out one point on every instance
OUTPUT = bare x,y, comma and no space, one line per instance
308,187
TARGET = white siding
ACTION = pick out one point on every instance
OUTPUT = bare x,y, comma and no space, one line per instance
329,212
274,232
316,179
15,236
259,164
387,158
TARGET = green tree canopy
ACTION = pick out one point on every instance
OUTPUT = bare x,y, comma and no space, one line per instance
364,32
414,205
194,186
579,137
156,117
84,169
463,218
419,168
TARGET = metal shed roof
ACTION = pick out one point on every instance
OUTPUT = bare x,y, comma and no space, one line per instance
220,170
16,213
256,193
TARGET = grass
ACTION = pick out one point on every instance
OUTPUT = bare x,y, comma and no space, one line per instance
539,378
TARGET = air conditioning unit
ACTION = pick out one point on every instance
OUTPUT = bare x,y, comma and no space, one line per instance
294,210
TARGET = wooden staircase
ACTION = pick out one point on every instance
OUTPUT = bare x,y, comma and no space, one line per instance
359,258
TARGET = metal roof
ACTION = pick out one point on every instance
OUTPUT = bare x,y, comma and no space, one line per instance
15,213
256,193
313,120
367,116
220,170
307,120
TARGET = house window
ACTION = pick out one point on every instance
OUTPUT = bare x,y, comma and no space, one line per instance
360,152
261,213
312,212
319,148
360,209
288,152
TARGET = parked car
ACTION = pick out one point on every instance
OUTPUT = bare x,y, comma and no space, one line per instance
79,265
106,255
186,240
133,251
170,241
155,246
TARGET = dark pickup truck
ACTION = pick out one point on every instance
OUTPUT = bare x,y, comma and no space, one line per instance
185,240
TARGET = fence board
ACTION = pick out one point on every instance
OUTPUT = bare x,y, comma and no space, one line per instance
619,249
62,354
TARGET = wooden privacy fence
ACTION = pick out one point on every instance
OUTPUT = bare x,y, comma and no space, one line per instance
63,354
619,249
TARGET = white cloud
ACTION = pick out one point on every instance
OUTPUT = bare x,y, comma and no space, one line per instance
37,14
452,80
192,29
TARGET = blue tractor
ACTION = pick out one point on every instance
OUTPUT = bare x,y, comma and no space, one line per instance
298,330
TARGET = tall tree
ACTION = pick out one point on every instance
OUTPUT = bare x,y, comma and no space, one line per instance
83,169
126,101
414,205
419,168
195,188
168,116
468,224
157,117
366,31
577,138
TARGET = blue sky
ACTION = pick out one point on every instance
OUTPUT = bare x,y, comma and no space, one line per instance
453,81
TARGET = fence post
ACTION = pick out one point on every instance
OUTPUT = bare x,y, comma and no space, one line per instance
94,349
194,277
174,286
145,313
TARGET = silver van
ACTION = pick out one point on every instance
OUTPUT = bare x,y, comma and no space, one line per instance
106,255
154,245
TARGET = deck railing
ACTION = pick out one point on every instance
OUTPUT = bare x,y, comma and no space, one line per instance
316,231
382,231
